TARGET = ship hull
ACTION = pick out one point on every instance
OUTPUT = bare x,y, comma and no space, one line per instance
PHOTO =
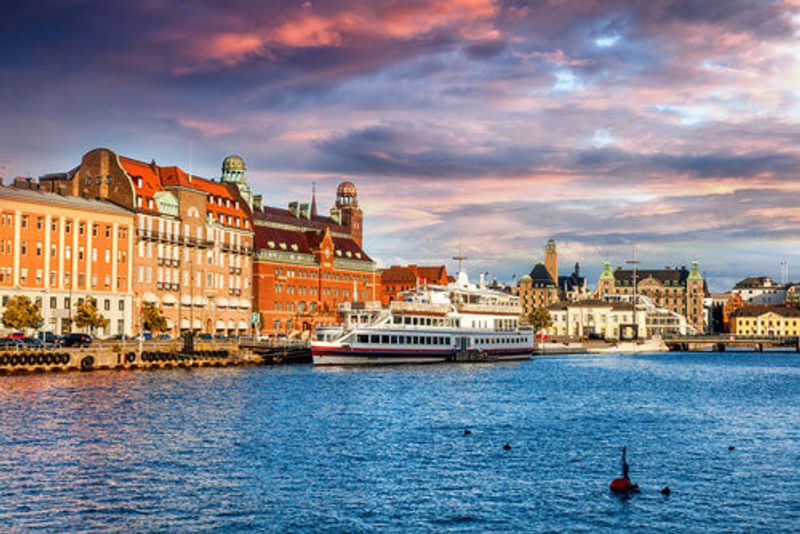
344,356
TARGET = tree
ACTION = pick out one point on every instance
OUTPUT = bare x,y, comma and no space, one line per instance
540,319
152,318
87,315
21,313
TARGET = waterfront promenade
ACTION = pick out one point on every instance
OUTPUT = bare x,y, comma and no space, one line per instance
303,449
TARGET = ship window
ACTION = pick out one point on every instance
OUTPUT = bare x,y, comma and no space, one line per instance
385,340
402,340
435,340
447,341
416,340
414,321
363,339
398,320
374,339
394,340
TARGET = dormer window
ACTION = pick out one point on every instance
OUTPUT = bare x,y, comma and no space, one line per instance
139,182
227,203
150,203
348,254
283,246
271,244
294,247
338,252
237,204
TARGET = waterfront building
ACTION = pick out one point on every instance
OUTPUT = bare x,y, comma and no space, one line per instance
306,265
760,290
734,303
596,319
679,290
537,290
766,320
193,237
573,288
58,250
399,278
793,295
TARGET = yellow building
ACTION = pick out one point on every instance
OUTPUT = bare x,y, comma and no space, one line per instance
760,320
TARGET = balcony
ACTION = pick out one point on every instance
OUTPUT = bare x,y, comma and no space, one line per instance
234,292
234,270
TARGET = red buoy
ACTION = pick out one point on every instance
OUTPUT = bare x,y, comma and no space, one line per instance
623,485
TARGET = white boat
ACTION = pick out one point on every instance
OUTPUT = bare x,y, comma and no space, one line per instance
654,344
456,322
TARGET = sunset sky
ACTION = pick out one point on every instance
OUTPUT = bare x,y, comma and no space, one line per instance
671,126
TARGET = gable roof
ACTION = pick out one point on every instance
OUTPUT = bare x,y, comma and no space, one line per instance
757,310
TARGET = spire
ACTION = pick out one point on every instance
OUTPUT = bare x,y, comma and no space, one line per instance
313,199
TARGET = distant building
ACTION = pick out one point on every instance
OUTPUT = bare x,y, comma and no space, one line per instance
760,290
537,290
306,265
734,303
765,320
597,319
59,250
399,278
675,289
573,287
793,295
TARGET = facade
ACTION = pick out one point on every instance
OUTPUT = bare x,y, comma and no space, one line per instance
306,265
537,290
677,290
760,290
573,287
734,303
765,320
397,279
193,238
58,250
597,319
793,295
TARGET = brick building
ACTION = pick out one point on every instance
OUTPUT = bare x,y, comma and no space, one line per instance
306,264
58,250
399,278
675,289
193,237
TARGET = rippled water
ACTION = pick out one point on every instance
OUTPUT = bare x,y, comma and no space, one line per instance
299,449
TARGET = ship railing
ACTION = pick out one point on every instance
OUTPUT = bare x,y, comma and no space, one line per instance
487,308
421,307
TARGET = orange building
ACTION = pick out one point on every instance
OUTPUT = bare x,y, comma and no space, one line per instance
193,237
397,279
58,250
732,305
305,264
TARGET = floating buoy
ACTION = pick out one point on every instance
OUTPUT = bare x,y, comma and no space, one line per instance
623,485
731,448
506,447
467,432
666,491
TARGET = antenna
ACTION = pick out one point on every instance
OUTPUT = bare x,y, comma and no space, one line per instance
634,262
784,272
460,256
190,161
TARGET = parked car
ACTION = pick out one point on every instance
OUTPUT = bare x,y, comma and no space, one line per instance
164,336
49,339
120,337
76,340
206,336
283,336
221,336
31,343
16,335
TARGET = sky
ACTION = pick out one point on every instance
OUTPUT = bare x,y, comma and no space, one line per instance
671,127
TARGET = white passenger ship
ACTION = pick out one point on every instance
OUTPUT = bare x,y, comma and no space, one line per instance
457,322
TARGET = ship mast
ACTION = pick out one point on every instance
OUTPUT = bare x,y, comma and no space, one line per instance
460,257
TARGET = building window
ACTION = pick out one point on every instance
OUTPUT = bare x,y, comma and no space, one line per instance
24,248
68,226
39,223
107,305
53,302
24,221
121,305
38,248
108,179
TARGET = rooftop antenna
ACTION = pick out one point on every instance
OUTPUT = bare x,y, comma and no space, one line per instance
634,262
784,272
460,256
190,161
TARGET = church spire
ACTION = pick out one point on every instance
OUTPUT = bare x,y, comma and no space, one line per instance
313,199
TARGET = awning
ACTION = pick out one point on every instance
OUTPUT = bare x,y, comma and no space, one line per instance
222,302
244,303
184,323
198,324
186,300
150,298
170,323
200,300
231,324
220,324
169,299
242,325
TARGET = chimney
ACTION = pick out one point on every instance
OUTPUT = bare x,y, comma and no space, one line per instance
258,202
483,281
294,208
305,211
336,215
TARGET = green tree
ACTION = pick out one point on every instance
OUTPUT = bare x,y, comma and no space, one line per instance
152,318
540,319
87,315
21,313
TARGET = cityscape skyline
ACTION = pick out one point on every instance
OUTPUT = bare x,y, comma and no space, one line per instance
671,127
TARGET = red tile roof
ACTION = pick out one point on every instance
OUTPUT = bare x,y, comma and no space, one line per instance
156,178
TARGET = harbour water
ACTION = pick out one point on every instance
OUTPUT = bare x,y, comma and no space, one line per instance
302,449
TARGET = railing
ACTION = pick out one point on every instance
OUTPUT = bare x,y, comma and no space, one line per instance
488,308
234,292
420,307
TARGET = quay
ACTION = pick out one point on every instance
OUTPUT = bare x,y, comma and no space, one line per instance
152,356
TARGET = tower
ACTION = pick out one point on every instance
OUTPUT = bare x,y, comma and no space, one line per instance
605,286
695,292
347,206
551,260
233,172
